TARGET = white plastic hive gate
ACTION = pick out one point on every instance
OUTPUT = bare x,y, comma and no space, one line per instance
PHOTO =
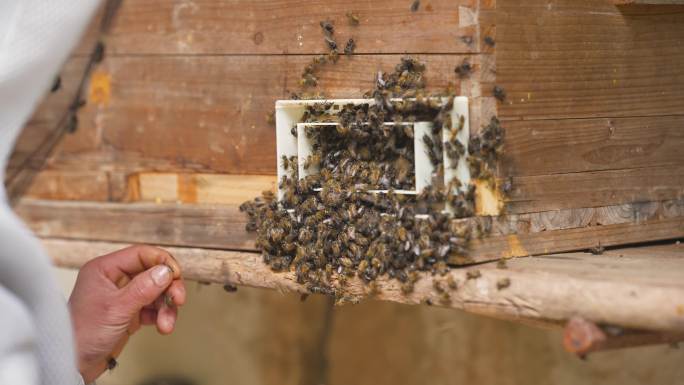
289,114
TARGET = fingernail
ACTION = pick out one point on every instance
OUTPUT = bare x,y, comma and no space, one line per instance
161,275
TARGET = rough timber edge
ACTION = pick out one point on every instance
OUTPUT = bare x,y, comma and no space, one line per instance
541,292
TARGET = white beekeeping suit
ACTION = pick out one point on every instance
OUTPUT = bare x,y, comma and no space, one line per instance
36,340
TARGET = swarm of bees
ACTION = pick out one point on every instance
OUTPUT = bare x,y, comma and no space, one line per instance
329,227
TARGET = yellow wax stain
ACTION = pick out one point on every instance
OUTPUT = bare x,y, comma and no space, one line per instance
487,199
100,88
187,188
515,248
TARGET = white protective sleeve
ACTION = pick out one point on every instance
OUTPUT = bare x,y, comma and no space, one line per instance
36,37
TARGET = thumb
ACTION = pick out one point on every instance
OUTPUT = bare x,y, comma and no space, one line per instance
145,288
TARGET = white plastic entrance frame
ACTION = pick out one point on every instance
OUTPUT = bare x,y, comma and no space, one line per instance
289,114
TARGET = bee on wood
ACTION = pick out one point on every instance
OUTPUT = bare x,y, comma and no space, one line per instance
598,249
373,288
499,93
332,44
489,41
350,47
451,282
507,186
353,19
415,5
467,39
56,85
503,283
333,56
407,287
327,27
464,69
437,286
229,288
501,264
473,274
98,53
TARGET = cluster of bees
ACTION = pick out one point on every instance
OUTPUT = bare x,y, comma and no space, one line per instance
329,227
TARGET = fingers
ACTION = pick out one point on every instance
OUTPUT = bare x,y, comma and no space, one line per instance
148,316
134,260
145,288
177,292
166,319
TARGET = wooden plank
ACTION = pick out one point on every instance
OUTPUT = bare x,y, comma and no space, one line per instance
606,289
576,239
91,186
571,146
203,188
30,139
650,2
276,27
223,227
595,188
588,59
181,225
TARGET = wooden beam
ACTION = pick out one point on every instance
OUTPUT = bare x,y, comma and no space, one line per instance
640,291
223,226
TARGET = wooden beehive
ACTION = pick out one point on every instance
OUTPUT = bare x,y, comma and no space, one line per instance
174,134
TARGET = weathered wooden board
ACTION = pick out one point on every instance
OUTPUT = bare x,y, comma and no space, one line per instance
595,188
170,224
588,58
277,27
574,146
640,288
223,227
629,2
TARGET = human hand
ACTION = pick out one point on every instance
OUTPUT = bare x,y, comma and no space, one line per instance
117,293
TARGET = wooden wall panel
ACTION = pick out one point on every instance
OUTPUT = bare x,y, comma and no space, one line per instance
593,109
209,113
587,58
